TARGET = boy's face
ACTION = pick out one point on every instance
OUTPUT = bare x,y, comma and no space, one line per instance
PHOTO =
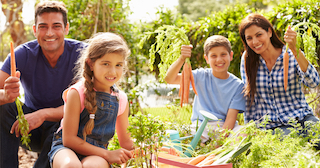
219,60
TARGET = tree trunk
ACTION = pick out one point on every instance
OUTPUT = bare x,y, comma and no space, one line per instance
12,9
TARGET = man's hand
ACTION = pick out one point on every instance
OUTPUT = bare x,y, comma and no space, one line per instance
35,120
11,88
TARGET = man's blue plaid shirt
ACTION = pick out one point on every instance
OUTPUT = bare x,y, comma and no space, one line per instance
271,99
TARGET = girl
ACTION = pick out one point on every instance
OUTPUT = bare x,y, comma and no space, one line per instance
262,72
94,108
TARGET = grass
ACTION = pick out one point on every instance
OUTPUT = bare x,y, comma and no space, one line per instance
181,116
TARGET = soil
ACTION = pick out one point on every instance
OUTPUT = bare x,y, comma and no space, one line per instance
26,158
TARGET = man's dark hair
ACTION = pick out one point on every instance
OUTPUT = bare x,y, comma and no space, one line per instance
51,6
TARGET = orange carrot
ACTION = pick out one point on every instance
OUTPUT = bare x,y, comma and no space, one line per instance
181,88
186,83
13,60
192,81
207,161
285,69
197,159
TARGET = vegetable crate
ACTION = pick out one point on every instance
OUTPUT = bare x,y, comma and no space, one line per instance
171,161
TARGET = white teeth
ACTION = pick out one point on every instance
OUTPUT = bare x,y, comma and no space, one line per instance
110,78
220,64
258,46
50,39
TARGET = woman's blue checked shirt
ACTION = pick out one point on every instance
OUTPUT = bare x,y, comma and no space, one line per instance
271,99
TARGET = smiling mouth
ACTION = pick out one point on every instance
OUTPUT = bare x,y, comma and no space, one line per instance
219,65
259,46
109,78
49,40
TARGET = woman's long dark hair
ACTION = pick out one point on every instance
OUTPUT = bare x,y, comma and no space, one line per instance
251,61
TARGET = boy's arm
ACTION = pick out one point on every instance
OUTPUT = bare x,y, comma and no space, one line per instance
230,119
173,76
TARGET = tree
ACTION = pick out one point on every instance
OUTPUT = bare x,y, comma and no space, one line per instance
12,10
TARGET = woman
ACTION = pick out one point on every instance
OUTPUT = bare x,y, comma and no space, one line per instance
262,73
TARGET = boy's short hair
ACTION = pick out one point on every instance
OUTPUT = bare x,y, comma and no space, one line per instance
51,6
216,41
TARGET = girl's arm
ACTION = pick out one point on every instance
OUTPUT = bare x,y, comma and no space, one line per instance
173,76
122,132
70,139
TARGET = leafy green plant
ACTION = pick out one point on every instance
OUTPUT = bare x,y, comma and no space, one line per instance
168,43
270,148
305,40
23,124
148,133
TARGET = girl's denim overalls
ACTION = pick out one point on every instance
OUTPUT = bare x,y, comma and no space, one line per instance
104,124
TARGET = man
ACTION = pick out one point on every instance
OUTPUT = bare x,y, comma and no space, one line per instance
44,68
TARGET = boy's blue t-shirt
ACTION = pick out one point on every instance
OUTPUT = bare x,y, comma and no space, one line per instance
216,95
42,84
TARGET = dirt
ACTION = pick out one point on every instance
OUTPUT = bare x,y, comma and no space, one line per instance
26,158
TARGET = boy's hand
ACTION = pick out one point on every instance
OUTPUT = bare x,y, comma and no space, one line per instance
186,51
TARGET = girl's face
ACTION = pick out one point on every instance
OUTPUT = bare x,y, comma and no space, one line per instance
258,39
107,71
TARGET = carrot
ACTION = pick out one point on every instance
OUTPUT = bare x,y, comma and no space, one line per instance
137,152
197,159
186,83
285,69
13,60
207,161
192,81
181,88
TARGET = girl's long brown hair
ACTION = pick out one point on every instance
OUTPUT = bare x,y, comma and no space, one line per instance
251,61
99,45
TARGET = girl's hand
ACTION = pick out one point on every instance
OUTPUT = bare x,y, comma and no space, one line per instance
290,38
119,156
185,51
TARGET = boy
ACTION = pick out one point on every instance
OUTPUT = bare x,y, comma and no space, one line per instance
219,92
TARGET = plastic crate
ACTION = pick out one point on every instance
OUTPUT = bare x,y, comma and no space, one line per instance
171,161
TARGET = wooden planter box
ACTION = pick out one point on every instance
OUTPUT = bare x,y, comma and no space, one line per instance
171,161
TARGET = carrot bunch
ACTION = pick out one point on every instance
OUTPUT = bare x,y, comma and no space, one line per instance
202,160
186,79
23,123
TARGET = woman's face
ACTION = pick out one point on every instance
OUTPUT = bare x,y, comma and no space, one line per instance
258,39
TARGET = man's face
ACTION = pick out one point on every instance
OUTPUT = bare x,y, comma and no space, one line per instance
50,31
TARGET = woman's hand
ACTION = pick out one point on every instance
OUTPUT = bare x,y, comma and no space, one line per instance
290,38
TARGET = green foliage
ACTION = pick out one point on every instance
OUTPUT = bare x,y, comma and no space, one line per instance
305,38
148,133
299,14
23,125
273,149
165,17
169,40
